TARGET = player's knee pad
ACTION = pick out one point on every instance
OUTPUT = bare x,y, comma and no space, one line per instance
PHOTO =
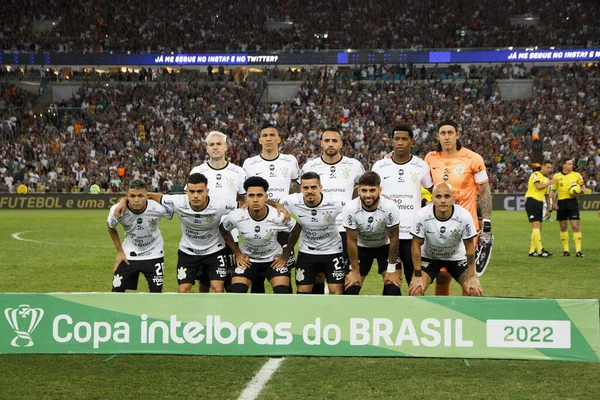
281,289
318,288
391,290
239,288
353,290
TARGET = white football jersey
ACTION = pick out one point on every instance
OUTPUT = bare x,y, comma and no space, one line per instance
278,172
444,239
337,179
259,238
319,233
199,229
402,183
371,225
224,183
143,240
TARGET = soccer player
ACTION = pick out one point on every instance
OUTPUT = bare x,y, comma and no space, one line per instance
338,175
443,235
566,204
260,253
281,172
320,248
202,248
538,189
371,223
465,171
402,176
225,182
142,249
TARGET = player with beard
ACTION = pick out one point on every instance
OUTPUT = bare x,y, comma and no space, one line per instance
371,223
338,175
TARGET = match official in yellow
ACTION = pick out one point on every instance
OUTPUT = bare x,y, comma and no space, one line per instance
568,186
538,190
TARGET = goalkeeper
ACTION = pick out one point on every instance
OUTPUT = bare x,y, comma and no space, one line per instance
465,171
564,199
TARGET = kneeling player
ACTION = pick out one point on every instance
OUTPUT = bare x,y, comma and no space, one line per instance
371,224
260,253
320,248
443,234
142,250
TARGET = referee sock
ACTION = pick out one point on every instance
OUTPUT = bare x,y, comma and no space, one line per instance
577,240
564,238
536,240
442,283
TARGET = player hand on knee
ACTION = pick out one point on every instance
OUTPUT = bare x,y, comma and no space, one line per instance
242,260
120,258
353,278
392,278
279,261
474,287
416,287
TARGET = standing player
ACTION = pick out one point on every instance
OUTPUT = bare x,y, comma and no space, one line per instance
225,182
260,253
538,189
338,175
402,176
565,201
443,235
281,172
142,250
372,232
465,171
320,248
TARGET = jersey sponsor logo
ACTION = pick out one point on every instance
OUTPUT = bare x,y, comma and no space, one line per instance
370,219
23,320
400,175
139,221
385,177
442,232
181,273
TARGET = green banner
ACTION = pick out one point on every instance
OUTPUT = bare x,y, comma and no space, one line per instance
213,324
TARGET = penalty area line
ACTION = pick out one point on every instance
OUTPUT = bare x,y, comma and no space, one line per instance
257,384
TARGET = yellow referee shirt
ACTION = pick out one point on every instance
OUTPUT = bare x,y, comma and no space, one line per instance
533,191
564,182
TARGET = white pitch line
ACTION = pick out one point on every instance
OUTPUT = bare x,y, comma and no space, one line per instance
257,384
17,236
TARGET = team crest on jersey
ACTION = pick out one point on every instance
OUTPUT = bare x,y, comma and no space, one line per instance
153,224
455,234
299,274
117,280
181,273
414,177
270,234
285,172
346,173
380,222
327,216
460,169
210,219
230,182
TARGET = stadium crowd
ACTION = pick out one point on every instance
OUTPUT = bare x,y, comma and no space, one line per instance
108,134
200,26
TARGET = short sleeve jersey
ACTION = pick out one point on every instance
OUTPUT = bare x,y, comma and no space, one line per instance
319,232
464,171
402,183
199,229
278,172
259,237
338,180
371,225
224,183
444,238
533,191
564,182
143,240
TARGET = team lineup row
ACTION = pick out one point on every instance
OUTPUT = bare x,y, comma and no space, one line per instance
341,213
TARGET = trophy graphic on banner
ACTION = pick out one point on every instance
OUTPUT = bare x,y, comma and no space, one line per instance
23,320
